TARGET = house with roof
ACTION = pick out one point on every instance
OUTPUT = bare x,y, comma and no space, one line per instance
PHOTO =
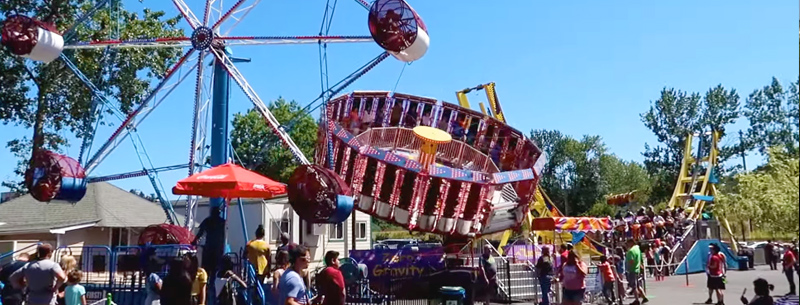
107,215
278,217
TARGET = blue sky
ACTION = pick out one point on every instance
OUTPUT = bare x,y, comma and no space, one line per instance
588,67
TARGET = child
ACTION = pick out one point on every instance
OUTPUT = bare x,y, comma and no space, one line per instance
607,271
74,294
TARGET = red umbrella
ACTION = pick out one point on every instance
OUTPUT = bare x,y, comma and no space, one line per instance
229,181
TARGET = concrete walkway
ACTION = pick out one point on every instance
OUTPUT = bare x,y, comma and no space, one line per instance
673,290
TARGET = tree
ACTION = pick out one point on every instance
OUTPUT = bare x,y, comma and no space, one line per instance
259,149
675,115
619,176
768,195
50,99
773,115
572,172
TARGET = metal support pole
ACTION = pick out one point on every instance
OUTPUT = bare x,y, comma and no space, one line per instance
219,146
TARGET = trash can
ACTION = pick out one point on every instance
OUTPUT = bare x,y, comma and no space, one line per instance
451,295
743,263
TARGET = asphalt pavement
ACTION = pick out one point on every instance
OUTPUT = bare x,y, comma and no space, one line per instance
673,290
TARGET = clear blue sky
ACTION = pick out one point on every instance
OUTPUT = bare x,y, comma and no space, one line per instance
588,67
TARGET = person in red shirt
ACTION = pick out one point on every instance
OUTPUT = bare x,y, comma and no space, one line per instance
715,270
330,282
789,260
608,279
565,248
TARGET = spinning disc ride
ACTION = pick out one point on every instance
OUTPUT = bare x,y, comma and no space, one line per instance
393,25
427,165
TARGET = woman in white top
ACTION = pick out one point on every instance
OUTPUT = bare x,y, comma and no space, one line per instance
282,263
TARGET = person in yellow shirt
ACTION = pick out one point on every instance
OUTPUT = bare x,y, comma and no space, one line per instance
258,254
199,287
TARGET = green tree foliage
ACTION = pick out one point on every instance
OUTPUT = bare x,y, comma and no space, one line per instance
768,196
582,173
122,75
671,118
773,115
258,148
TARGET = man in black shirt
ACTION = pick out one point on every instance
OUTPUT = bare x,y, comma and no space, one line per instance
10,295
213,227
544,272
772,261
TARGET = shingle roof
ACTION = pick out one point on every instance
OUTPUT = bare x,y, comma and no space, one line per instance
104,204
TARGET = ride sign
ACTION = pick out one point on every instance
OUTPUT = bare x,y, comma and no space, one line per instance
400,263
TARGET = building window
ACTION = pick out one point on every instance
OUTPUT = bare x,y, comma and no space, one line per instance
361,232
119,237
280,227
336,231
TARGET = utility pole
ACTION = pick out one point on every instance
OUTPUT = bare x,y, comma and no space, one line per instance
741,150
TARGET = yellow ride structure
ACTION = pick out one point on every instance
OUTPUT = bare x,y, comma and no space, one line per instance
696,188
694,191
541,205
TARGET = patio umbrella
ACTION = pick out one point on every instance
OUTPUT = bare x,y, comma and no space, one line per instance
229,181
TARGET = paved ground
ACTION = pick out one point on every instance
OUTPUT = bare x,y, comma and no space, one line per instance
674,290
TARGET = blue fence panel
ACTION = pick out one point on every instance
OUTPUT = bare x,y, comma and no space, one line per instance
95,263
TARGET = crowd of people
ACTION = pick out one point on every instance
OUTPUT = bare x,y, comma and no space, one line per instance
39,280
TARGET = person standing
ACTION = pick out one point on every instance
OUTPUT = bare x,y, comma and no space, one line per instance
607,273
9,294
715,270
74,293
633,264
789,260
330,282
573,275
199,286
213,227
292,287
282,264
68,263
258,254
544,272
40,277
177,285
153,282
284,246
769,255
488,274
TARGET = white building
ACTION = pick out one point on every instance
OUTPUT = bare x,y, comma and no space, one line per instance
278,217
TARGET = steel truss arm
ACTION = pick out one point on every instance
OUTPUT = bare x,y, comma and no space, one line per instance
187,14
268,40
183,42
259,105
138,173
141,112
138,145
339,87
364,4
234,10
324,29
70,32
198,138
